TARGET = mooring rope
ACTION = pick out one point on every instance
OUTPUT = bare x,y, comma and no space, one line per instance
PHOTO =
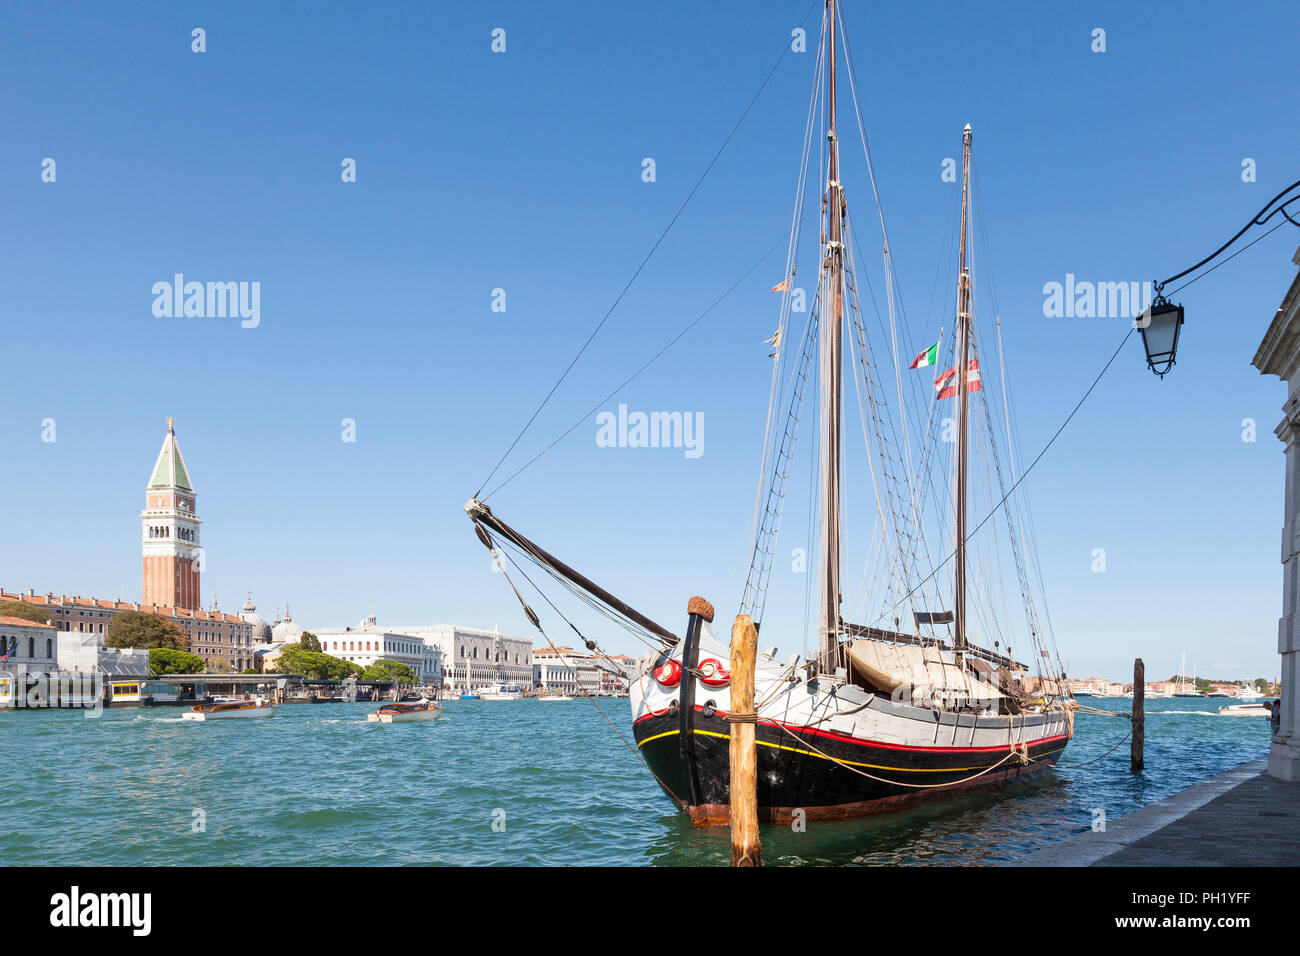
900,783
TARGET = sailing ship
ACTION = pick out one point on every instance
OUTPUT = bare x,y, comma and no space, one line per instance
1183,688
880,715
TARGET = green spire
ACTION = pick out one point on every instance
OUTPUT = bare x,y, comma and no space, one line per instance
169,470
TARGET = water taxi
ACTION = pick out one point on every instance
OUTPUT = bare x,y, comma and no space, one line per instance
404,711
230,709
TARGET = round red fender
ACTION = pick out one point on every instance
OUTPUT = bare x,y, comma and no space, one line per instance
669,673
713,674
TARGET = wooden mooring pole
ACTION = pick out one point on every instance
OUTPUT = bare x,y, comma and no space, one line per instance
746,850
1139,718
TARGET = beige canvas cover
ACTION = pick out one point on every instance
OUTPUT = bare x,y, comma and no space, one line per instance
927,670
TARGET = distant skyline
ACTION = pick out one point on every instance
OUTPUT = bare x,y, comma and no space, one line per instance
522,171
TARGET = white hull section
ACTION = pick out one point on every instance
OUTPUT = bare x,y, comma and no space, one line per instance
247,712
404,718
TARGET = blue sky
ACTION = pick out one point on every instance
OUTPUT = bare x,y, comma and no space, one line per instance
522,171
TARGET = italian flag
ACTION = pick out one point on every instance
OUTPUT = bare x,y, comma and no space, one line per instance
929,357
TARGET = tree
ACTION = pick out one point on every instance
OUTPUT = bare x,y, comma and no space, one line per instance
294,659
310,642
165,660
394,671
28,612
142,629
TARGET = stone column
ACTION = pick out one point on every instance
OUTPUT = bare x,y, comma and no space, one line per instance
1279,354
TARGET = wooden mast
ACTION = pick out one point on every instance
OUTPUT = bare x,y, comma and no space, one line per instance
963,410
831,366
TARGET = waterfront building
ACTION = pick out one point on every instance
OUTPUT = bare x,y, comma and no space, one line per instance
613,682
27,647
32,653
475,657
367,642
265,656
1279,354
86,655
563,670
223,640
570,671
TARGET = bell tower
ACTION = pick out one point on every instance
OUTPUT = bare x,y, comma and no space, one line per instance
170,532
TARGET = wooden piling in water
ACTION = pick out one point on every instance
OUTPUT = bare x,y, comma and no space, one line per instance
1139,718
746,850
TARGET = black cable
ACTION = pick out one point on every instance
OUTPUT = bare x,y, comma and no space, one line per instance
1231,257
654,358
677,215
1257,221
1023,476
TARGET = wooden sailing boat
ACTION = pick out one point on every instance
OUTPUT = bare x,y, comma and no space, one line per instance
878,717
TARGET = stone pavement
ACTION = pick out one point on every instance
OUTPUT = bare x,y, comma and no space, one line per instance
1240,818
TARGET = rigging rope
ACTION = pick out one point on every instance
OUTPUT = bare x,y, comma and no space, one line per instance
785,48
1025,475
628,381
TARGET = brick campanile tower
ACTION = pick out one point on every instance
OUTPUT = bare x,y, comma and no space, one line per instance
170,532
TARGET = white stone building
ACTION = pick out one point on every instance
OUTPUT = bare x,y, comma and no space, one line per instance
564,670
367,642
1279,354
27,647
476,657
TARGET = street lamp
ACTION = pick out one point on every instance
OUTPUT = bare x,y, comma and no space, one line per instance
1160,323
1159,326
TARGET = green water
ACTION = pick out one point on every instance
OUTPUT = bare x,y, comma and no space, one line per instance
492,783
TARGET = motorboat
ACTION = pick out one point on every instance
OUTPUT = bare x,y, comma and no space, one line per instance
502,692
556,697
229,709
404,711
1246,710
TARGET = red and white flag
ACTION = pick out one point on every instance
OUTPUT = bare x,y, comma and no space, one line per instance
782,286
947,388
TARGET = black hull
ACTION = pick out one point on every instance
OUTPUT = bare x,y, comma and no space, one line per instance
799,769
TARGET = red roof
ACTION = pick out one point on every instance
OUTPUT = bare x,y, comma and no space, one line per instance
51,600
10,621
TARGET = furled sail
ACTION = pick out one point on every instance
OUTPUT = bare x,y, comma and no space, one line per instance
919,671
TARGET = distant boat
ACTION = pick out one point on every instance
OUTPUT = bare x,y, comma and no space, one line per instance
1181,689
405,711
502,692
1248,694
231,709
1246,710
556,697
